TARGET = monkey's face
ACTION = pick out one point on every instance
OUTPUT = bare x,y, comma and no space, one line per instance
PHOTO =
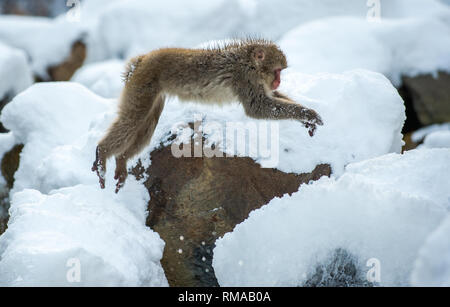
271,61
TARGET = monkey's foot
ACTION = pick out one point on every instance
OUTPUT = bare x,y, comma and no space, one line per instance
120,177
121,173
99,168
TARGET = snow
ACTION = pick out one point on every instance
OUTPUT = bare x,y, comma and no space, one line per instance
103,78
30,33
432,268
14,71
149,25
58,212
46,231
412,36
419,135
433,136
437,139
394,47
384,208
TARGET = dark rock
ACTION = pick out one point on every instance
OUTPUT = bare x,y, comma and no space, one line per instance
412,122
340,270
10,164
194,201
409,143
48,8
3,102
4,206
65,70
430,97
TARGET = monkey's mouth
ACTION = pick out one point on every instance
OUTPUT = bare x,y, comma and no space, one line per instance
276,83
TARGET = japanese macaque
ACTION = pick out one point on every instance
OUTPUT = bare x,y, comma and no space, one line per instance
247,71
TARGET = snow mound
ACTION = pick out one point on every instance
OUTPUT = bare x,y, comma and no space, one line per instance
46,41
58,137
149,25
103,78
14,71
83,224
394,47
382,209
58,213
419,135
437,139
7,142
432,268
433,136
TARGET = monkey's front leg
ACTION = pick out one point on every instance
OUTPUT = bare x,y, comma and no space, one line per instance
281,107
311,128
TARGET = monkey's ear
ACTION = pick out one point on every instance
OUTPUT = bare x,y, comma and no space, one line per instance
259,55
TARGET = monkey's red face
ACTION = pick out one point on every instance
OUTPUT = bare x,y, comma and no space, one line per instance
277,79
270,61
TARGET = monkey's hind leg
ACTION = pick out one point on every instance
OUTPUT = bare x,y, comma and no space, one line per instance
138,141
134,106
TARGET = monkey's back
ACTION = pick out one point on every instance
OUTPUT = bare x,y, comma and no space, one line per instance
191,74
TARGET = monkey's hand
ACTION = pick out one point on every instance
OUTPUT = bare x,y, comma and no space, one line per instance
100,168
310,119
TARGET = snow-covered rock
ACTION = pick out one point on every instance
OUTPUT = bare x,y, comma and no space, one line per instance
58,213
15,74
432,267
437,139
383,209
394,47
80,230
103,78
46,41
419,135
148,25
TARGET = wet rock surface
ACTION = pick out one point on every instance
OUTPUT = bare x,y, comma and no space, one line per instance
429,96
9,165
194,201
3,102
65,70
48,8
340,270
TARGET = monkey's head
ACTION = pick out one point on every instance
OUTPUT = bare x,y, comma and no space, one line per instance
269,61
